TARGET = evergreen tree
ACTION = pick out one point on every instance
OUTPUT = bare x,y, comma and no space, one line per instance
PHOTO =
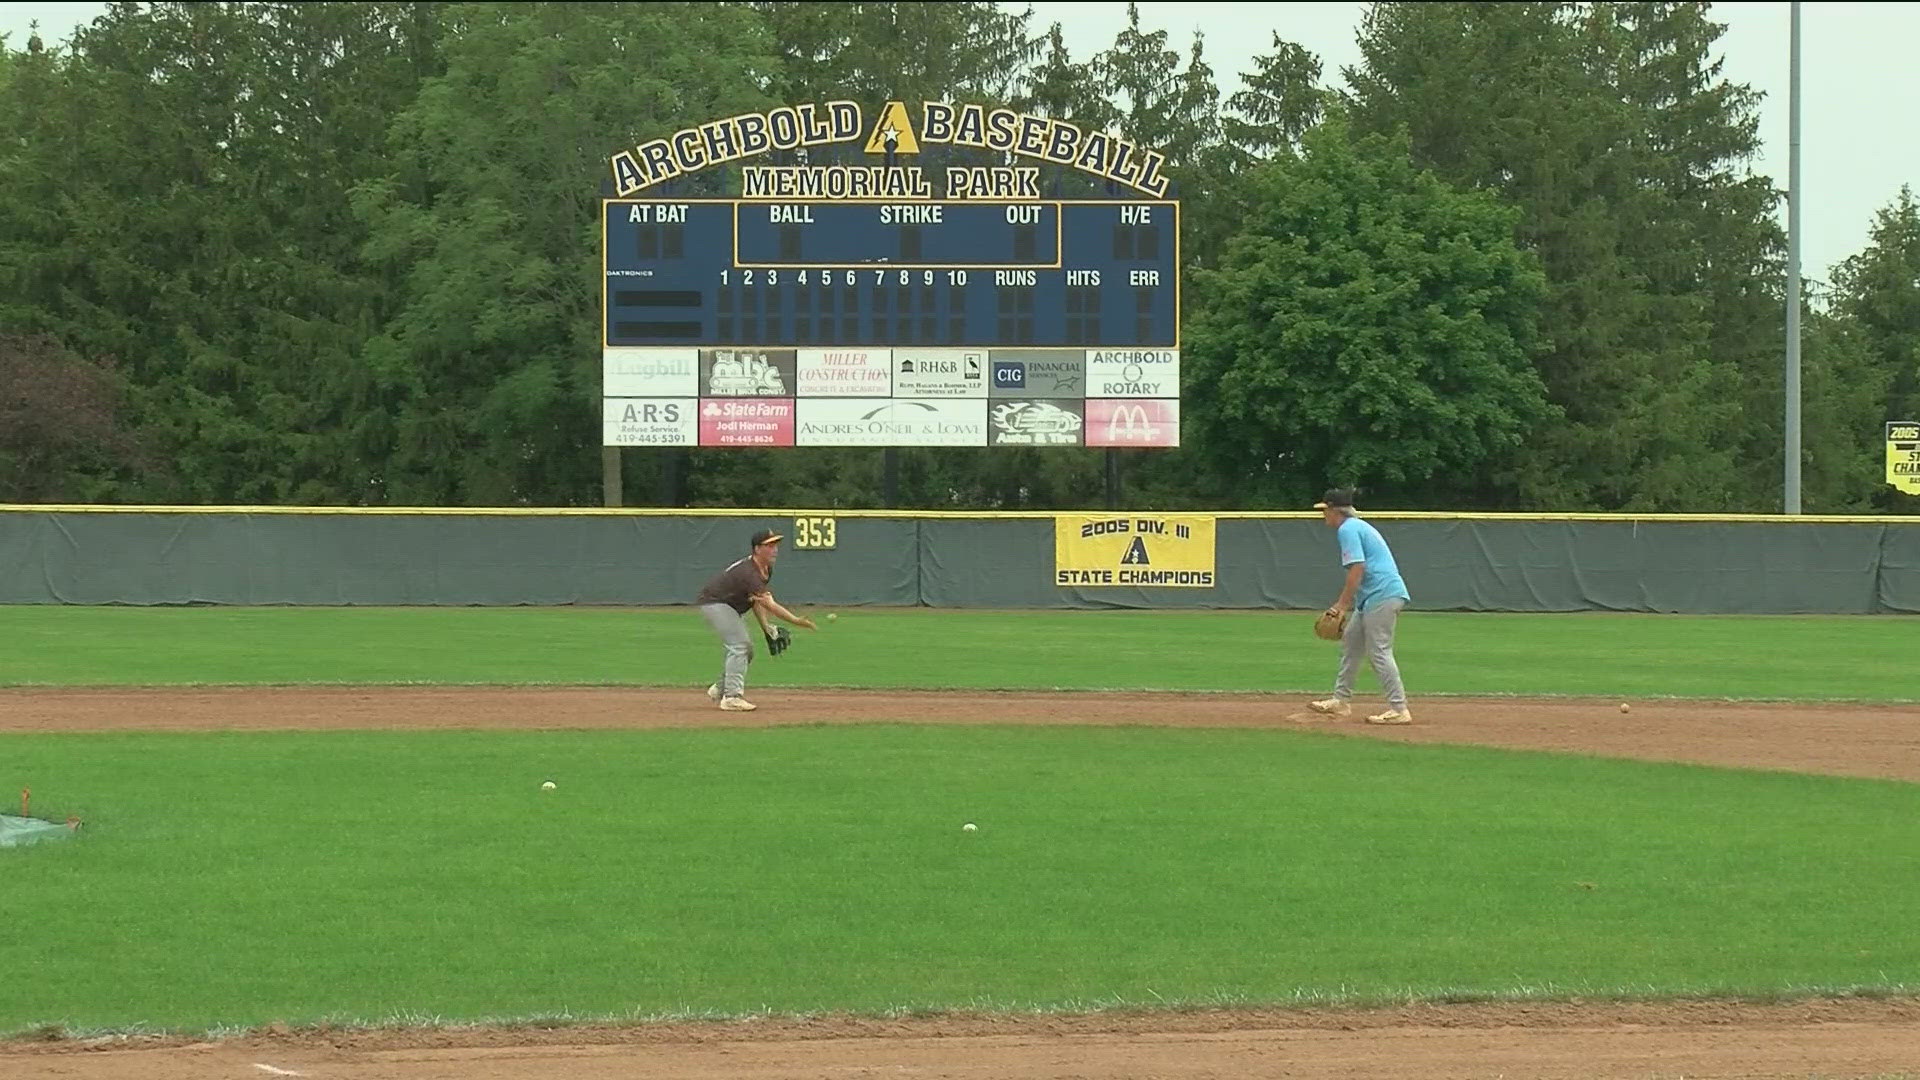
1877,293
1609,127
1368,324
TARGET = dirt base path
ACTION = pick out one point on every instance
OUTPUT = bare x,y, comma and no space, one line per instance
1827,1039
1842,740
1851,1038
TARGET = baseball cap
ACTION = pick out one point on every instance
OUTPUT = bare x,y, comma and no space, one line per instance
1338,498
766,536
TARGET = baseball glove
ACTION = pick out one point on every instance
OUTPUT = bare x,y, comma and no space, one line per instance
778,639
1331,625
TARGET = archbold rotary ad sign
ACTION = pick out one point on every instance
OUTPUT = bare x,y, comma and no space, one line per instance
1133,551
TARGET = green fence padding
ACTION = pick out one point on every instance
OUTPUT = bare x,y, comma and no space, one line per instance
324,557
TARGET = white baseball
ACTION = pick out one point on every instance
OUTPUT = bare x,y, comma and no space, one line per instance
548,786
968,827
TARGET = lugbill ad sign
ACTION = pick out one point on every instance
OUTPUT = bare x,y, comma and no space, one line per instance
1133,551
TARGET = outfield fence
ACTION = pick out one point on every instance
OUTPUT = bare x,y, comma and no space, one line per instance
378,557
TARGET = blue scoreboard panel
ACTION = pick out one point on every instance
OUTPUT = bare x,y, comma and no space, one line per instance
1008,275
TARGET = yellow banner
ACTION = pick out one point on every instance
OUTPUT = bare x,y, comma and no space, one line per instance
1903,456
1133,550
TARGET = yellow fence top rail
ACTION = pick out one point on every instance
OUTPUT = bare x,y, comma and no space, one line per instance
951,515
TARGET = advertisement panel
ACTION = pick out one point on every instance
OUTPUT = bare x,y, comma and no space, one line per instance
1133,551
1038,373
767,373
933,373
641,373
1035,423
1130,422
1903,456
733,422
1133,373
891,422
649,421
855,373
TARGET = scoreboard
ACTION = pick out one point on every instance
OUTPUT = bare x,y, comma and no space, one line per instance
755,323
725,274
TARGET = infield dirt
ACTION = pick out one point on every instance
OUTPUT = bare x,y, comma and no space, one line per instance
1826,1038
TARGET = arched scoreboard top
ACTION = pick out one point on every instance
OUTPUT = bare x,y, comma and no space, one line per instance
890,302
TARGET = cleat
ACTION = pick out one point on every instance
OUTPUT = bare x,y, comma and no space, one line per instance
736,704
1331,707
1392,716
713,692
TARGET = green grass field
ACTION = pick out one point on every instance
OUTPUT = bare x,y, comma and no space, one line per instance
228,880
1863,658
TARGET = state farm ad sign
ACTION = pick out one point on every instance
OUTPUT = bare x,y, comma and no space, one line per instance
746,422
862,373
1133,422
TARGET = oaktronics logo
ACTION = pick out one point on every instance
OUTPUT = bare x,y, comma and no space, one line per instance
743,374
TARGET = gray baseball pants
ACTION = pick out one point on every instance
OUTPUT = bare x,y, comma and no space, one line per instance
1371,632
732,628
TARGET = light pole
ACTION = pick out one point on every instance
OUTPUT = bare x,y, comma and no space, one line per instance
1793,264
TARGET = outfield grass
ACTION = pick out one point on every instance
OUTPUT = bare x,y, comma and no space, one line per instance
230,879
1825,658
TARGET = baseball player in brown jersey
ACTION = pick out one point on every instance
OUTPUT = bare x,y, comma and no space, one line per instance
725,601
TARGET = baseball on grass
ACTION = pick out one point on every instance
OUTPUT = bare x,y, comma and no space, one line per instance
832,616
548,786
968,827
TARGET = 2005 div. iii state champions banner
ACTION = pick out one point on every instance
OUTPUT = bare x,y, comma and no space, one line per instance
1133,550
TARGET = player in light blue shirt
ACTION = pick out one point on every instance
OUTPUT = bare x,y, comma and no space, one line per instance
1375,595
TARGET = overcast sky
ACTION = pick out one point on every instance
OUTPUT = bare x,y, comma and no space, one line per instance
1859,140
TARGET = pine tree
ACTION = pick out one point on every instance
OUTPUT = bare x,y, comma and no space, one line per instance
1609,126
1277,102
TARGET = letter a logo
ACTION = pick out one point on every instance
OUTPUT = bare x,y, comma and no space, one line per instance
1136,553
893,132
